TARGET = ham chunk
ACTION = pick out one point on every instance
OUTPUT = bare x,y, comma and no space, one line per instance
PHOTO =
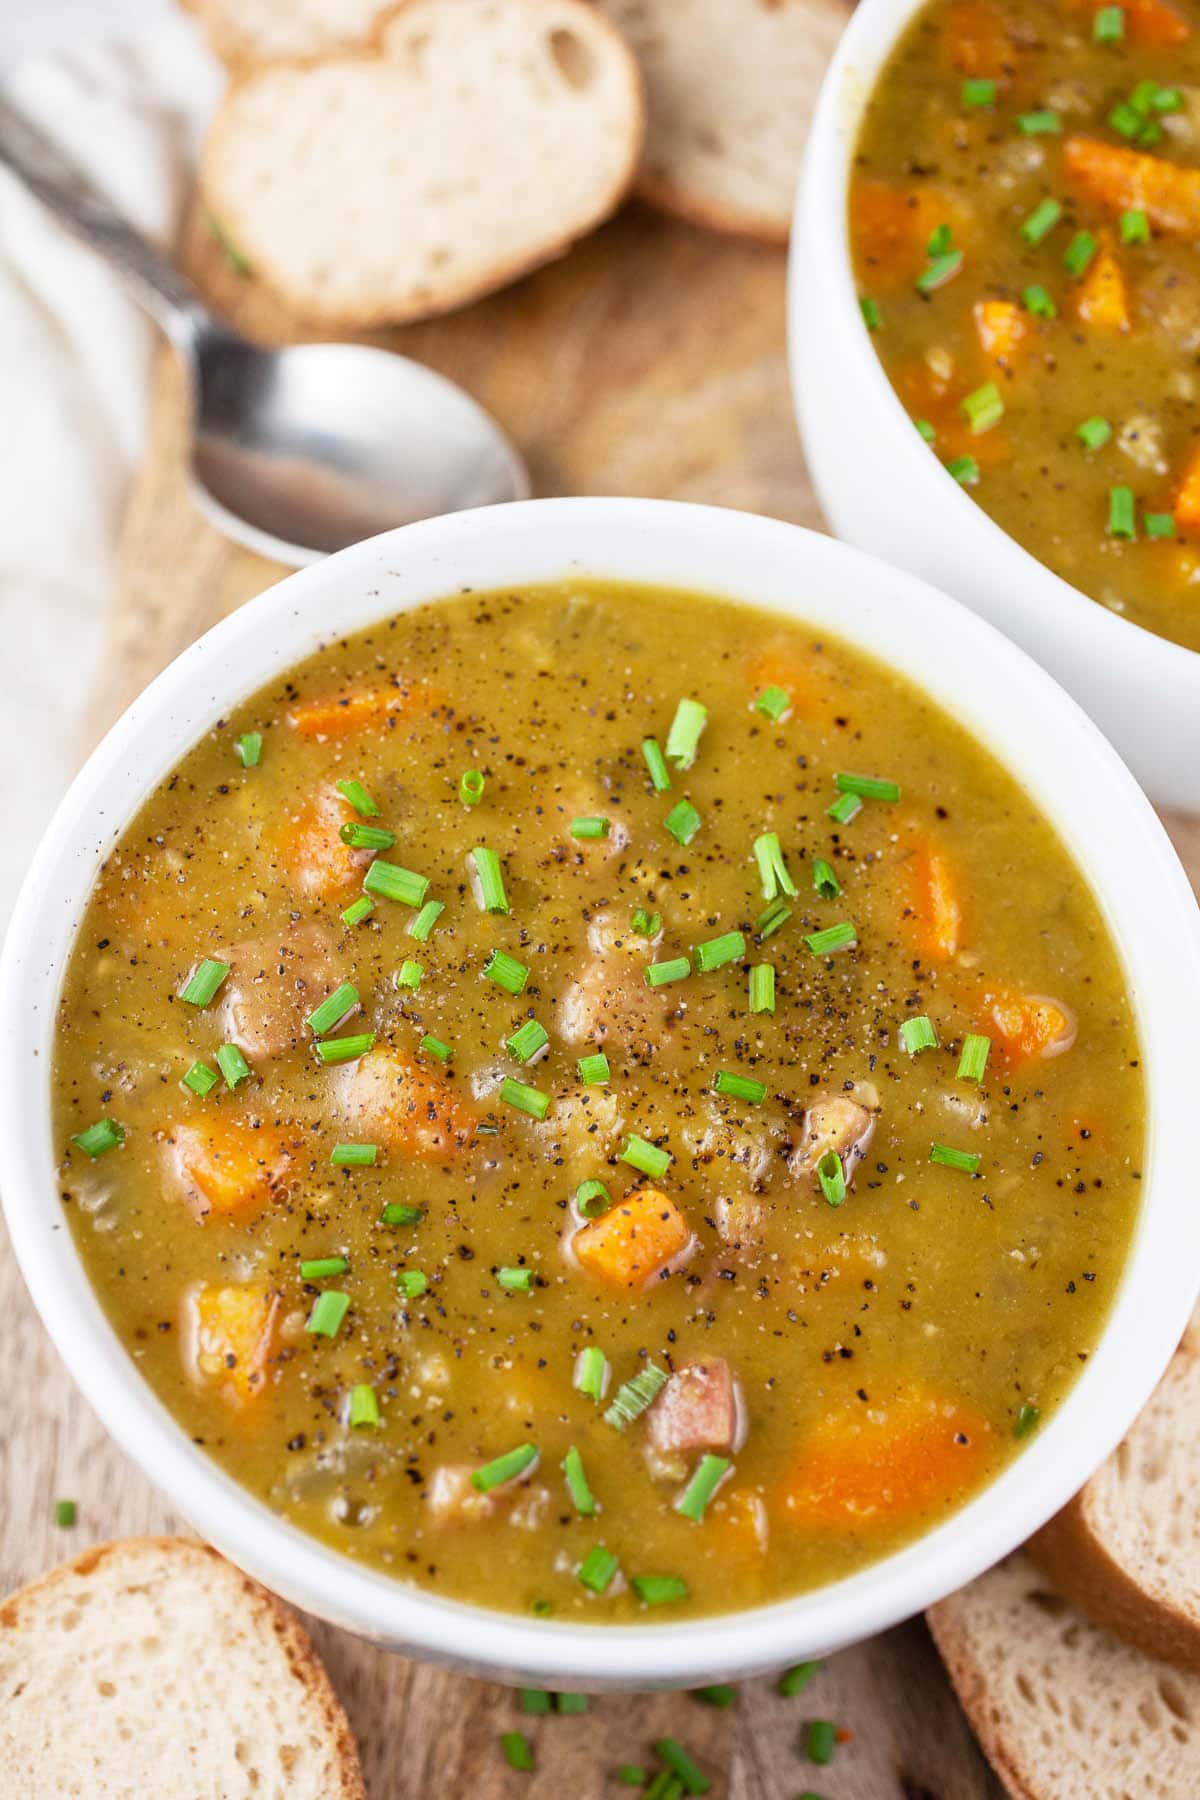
697,1410
611,1003
275,981
833,1122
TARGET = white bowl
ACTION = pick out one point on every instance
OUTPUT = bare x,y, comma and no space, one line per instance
977,676
882,488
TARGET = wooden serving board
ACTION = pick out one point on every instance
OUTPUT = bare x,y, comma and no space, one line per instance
649,361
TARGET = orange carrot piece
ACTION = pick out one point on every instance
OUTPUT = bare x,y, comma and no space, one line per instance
1026,1027
975,39
740,1514
1117,178
886,1462
804,674
1187,500
229,1333
409,1108
1101,300
309,846
365,709
634,1240
937,910
1002,328
891,224
926,396
225,1165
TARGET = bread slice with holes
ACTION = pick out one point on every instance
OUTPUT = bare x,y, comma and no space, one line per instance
731,86
478,141
249,31
1127,1547
152,1666
1063,1709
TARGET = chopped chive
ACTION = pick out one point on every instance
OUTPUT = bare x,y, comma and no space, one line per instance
762,988
535,1701
983,408
597,1568
1041,221
518,1751
772,918
974,1057
322,1267
793,1681
515,1281
392,882
504,1468
1142,97
360,800
570,1703
354,1156
672,1753
1166,100
941,270
774,702
1151,133
1041,123
844,808
529,1100
409,974
202,984
820,1740
395,1213
200,1079
1108,26
720,1695
103,1136
577,1484
357,911
233,1065
490,879
831,1177
412,1283
918,1034
506,972
659,974
1122,516
527,1040
925,430
1038,302
714,953
872,319
646,1157
660,775
1079,252
964,470
825,881
869,787
707,1476
470,787
644,924
435,1046
739,1087
966,1160
366,837
594,1069
333,1009
1094,433
344,1049
683,821
631,1775
364,1406
249,749
772,869
1126,119
660,1590
592,1199
683,739
590,826
978,91
326,1317
1135,226
832,939
1158,525
941,239
1027,1419
421,927
634,1396
591,1373
64,1513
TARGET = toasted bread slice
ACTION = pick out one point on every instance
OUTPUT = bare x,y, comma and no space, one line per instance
479,140
731,86
249,31
1127,1548
152,1666
1063,1709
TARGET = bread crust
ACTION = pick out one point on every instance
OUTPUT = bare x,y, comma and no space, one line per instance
969,1682
230,46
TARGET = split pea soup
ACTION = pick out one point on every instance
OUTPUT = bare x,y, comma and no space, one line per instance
597,1101
1025,219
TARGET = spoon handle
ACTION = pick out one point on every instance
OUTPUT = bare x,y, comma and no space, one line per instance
67,191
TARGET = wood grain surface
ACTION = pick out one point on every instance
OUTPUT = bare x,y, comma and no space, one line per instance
650,361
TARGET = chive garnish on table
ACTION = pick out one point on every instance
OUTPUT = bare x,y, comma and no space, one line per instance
391,882
65,1514
577,1484
634,1396
739,1087
918,1034
762,988
354,1156
525,1099
99,1138
706,1478
249,749
820,1740
949,1158
535,1702
506,972
592,1199
527,1040
200,1079
683,821
360,800
672,1753
793,1681
683,739
644,1156
518,1751
570,1703
363,1410
200,989
327,1314
721,1694
772,868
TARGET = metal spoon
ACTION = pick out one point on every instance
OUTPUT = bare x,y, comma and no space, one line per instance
300,451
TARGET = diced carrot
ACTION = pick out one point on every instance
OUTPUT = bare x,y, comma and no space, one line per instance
740,1514
936,908
975,39
804,674
229,1335
308,844
1152,23
413,1110
1002,329
886,1462
634,1241
225,1165
891,225
364,709
1187,500
1118,179
1101,300
1026,1027
1174,568
927,395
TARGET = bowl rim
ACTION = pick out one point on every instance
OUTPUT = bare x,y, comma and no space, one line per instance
820,230
1057,755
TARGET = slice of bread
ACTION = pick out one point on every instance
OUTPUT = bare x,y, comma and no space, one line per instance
246,31
1127,1547
151,1666
479,141
1065,1711
730,87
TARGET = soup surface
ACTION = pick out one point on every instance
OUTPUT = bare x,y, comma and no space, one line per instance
1025,216
508,1270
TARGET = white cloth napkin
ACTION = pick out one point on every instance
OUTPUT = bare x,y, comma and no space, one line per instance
75,358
